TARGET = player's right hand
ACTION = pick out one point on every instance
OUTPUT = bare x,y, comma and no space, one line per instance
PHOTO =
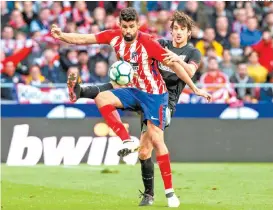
203,93
56,32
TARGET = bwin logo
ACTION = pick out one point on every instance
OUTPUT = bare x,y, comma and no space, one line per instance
67,150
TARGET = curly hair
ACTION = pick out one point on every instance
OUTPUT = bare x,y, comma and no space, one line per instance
128,14
183,20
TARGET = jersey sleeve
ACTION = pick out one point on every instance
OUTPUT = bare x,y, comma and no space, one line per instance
162,42
105,37
195,58
156,51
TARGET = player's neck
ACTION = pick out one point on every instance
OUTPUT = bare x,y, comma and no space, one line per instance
179,45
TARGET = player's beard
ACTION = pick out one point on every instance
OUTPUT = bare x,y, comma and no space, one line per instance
129,38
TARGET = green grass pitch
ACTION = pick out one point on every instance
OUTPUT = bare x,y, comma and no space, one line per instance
206,186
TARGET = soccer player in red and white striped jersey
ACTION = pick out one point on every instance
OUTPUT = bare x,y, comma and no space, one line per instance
148,90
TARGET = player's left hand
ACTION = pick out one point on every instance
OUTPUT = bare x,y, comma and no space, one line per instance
203,93
170,56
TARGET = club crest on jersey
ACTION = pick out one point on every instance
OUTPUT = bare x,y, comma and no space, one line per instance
134,57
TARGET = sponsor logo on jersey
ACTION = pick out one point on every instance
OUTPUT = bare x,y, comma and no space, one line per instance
166,68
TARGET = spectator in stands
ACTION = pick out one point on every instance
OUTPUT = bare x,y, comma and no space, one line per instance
9,75
162,23
94,29
84,66
241,19
99,17
28,12
265,51
214,75
111,22
43,23
236,51
4,13
17,21
220,10
241,77
197,13
57,14
70,27
68,58
100,73
226,65
210,52
50,67
7,41
35,77
268,24
81,16
251,35
255,69
209,40
222,31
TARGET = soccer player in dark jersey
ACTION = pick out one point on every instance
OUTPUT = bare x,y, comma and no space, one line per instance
119,39
178,50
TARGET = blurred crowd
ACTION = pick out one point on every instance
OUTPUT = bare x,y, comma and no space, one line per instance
235,39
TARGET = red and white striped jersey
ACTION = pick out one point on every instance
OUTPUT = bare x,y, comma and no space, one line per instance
141,54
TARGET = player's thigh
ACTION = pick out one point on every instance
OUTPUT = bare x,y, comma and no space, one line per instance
157,138
154,132
154,109
107,97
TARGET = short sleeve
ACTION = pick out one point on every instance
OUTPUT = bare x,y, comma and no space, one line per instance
195,58
105,37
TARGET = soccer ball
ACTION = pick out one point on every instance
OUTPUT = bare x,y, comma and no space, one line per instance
121,72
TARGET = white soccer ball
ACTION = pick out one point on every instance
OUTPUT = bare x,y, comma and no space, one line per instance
121,72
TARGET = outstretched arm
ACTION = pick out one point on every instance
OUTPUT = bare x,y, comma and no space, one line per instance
72,38
183,75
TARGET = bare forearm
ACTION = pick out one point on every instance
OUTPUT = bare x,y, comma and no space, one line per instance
183,75
187,67
75,38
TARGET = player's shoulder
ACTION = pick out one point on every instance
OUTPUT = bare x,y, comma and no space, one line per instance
112,32
148,41
164,42
145,37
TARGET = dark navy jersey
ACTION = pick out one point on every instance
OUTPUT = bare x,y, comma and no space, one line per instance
175,85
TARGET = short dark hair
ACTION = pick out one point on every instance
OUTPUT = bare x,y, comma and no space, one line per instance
183,20
128,14
241,63
212,58
82,52
251,53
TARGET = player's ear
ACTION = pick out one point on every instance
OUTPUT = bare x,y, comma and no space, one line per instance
138,25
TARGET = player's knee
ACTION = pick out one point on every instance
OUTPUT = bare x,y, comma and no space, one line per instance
156,139
144,153
102,99
157,144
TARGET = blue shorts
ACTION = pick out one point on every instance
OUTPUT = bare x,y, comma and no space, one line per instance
153,106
